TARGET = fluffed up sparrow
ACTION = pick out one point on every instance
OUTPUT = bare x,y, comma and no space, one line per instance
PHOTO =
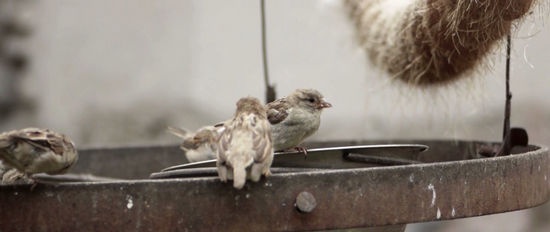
201,145
295,117
34,150
245,147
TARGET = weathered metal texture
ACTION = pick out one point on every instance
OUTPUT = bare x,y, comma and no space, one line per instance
345,198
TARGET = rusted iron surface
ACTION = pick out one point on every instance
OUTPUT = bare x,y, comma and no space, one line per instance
453,187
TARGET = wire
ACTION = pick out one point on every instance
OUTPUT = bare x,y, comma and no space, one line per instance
506,134
270,94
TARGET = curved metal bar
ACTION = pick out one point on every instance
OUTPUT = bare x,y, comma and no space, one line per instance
344,198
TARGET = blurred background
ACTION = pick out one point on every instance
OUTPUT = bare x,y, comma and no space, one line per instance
116,73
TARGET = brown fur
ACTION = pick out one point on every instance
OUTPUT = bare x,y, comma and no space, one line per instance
435,41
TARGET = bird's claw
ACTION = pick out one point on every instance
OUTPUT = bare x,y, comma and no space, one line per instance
33,182
301,149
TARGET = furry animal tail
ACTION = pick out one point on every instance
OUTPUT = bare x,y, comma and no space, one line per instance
428,43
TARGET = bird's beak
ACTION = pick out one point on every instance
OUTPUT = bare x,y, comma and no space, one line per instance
324,104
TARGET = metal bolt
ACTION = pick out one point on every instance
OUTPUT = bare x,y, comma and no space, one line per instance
305,202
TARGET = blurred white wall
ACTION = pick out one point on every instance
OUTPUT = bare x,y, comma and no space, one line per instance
118,72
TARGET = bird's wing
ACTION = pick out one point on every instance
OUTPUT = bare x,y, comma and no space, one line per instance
262,141
223,144
277,111
41,139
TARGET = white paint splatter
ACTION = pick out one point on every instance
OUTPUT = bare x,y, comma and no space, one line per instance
434,194
268,184
411,178
15,193
130,203
247,195
453,212
438,216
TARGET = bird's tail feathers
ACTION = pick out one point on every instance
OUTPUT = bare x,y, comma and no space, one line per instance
180,132
239,176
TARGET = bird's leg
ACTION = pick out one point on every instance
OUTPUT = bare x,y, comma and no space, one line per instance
301,149
32,181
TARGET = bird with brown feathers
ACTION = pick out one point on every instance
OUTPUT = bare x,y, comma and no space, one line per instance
200,145
34,150
245,147
295,117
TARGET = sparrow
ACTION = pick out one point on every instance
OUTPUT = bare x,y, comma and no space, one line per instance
34,150
295,117
201,145
245,147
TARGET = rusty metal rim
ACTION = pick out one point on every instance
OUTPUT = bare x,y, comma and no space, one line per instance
360,197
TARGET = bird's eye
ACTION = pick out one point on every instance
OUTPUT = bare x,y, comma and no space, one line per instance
311,100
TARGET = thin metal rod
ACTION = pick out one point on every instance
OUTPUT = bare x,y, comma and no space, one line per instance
508,93
264,44
506,146
270,90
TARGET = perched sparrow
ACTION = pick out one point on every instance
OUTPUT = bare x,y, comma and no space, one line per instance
245,148
295,117
33,150
200,145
